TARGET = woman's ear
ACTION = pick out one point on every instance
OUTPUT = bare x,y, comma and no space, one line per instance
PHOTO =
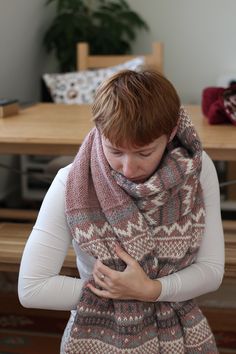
172,135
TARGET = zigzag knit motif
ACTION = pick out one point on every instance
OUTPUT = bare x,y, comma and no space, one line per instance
160,223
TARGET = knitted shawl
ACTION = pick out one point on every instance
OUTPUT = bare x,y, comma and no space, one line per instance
159,223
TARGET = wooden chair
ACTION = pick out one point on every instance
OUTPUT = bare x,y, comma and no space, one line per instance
86,61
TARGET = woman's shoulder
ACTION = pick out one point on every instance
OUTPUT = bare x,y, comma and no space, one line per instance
62,174
207,163
208,174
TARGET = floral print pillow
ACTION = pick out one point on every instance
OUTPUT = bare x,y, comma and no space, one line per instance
79,87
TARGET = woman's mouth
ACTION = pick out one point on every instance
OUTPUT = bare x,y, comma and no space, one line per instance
138,179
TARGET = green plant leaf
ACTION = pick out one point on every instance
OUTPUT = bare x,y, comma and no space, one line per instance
109,26
49,2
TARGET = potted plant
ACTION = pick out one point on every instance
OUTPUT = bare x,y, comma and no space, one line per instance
109,26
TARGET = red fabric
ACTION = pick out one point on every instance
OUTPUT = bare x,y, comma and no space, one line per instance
213,106
229,99
210,95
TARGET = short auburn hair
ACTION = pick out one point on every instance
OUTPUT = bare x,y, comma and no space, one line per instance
134,108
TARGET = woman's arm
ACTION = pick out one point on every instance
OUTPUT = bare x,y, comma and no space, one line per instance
40,285
206,274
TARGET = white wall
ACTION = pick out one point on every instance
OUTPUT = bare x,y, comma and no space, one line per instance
198,35
199,38
22,57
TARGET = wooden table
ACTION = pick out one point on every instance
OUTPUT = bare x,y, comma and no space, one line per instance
219,141
57,129
45,129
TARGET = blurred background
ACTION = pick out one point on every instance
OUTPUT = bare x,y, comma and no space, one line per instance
198,37
199,51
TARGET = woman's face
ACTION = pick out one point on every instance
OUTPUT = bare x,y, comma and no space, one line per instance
136,164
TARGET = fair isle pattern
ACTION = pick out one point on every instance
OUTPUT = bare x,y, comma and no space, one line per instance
160,223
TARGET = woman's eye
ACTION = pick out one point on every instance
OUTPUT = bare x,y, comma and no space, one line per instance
145,154
117,153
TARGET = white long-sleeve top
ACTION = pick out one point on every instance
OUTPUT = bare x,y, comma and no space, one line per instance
41,286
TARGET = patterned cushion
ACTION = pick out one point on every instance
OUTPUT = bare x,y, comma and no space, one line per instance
79,87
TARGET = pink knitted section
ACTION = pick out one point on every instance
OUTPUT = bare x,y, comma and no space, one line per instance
160,223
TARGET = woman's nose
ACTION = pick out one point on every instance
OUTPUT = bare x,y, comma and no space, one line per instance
129,168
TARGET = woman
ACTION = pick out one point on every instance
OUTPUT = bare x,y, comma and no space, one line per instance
141,203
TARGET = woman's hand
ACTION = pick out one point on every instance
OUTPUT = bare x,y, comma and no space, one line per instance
131,284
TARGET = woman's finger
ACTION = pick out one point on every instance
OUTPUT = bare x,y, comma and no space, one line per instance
124,256
99,292
103,269
100,281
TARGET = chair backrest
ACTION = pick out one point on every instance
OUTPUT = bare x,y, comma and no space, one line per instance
86,61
